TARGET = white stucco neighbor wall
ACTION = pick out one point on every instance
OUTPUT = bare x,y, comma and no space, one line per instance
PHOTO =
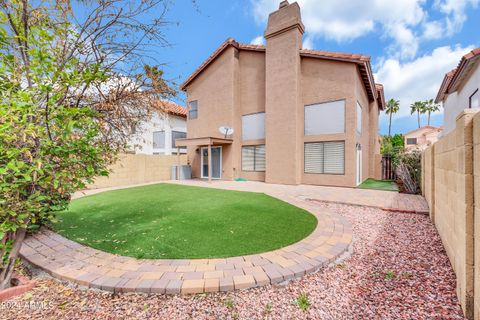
457,101
143,141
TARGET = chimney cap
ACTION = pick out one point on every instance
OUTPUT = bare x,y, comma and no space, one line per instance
283,4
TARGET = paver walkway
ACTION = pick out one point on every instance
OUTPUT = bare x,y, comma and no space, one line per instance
68,260
385,200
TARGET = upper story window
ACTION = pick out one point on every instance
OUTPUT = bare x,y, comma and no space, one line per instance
411,141
359,118
325,118
193,110
474,100
253,126
159,139
177,135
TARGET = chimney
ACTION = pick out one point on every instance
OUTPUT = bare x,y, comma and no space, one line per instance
287,17
283,110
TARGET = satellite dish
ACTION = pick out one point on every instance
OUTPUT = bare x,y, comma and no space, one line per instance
225,131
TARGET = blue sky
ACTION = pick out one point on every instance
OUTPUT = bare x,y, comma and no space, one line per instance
412,43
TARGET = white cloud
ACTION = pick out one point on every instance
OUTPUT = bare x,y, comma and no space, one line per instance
345,20
432,30
308,43
419,79
258,40
404,22
455,11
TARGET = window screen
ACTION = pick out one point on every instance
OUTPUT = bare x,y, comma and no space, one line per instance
359,118
325,118
253,126
253,158
411,140
177,135
193,109
325,157
159,139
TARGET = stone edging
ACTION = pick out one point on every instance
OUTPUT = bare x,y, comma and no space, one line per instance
67,260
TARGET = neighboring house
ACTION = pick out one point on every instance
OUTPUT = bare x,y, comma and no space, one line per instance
422,137
460,89
299,116
158,135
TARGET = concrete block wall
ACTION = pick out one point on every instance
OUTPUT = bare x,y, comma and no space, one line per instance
448,185
476,215
428,179
133,169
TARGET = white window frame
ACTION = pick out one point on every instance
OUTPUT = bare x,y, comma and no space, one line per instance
192,111
164,140
201,162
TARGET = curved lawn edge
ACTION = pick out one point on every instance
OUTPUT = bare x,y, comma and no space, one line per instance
195,228
67,260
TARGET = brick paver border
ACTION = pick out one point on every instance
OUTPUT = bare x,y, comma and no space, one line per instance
67,260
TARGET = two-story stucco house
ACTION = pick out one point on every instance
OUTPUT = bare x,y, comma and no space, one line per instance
299,116
168,122
460,89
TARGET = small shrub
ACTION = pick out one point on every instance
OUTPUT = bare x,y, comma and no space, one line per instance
389,275
268,308
229,303
303,302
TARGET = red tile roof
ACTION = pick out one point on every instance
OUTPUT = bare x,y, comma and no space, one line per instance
362,61
170,108
452,79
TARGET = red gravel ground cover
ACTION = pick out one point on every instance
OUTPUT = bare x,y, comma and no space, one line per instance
399,270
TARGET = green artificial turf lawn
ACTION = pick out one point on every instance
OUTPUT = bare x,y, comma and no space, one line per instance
385,185
167,221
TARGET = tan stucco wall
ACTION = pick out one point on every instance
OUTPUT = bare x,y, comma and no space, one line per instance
251,99
450,192
337,81
214,91
133,169
283,91
279,82
426,136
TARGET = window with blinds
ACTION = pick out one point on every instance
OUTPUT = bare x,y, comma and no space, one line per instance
159,139
253,158
325,157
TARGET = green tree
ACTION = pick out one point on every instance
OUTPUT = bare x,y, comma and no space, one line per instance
392,107
398,141
70,93
429,107
418,107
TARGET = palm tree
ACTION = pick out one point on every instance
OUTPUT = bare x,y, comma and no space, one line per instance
418,107
392,107
431,106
